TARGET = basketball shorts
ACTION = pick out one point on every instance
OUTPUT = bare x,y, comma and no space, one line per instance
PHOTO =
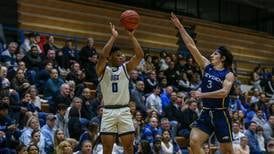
117,121
217,121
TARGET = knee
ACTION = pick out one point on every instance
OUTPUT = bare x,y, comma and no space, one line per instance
195,141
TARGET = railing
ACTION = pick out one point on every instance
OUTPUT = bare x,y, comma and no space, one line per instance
76,39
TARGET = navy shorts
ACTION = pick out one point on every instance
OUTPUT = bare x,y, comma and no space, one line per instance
217,121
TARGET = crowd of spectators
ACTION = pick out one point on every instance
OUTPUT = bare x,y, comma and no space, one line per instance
38,72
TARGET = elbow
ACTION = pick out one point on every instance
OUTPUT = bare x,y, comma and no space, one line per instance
224,93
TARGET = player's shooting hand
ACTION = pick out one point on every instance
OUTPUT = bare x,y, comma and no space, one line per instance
131,33
113,30
175,20
196,94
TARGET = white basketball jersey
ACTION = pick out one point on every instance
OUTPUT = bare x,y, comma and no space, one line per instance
114,85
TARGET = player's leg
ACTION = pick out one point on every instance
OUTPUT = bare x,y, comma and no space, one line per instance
108,130
107,142
197,139
223,132
226,148
200,132
126,130
127,142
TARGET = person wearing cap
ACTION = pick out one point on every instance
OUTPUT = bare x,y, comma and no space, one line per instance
48,131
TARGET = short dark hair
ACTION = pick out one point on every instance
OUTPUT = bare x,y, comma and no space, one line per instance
228,56
114,49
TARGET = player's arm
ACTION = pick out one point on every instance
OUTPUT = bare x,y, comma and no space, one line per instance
222,93
139,54
105,52
190,44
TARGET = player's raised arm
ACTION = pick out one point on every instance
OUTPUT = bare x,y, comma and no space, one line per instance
139,54
190,44
106,51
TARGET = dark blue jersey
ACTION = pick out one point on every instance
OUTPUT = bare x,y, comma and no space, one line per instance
212,81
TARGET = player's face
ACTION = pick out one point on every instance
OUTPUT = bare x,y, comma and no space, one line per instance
117,58
215,58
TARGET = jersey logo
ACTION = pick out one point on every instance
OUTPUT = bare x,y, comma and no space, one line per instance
114,77
212,77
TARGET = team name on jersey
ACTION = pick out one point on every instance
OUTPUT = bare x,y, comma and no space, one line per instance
212,77
114,77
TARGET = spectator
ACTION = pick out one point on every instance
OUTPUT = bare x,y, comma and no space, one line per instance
243,147
33,61
4,82
250,114
50,45
74,124
58,137
53,84
90,134
9,134
148,65
67,56
261,139
259,118
256,79
89,106
165,96
86,148
171,74
144,147
20,83
98,118
173,113
61,97
64,148
150,82
252,139
154,102
48,131
137,95
32,124
43,76
256,96
133,79
167,145
188,116
87,52
38,141
27,44
33,149
8,57
35,99
90,69
269,129
61,122
236,133
150,131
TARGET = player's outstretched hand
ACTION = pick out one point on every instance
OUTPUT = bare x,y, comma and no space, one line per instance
113,30
176,22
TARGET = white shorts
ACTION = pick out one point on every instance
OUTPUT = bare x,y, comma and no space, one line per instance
117,121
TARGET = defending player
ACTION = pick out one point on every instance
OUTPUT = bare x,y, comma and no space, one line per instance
216,84
113,74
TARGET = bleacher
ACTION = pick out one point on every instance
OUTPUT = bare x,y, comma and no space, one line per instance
91,18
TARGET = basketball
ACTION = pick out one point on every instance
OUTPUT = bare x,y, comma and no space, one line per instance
130,19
